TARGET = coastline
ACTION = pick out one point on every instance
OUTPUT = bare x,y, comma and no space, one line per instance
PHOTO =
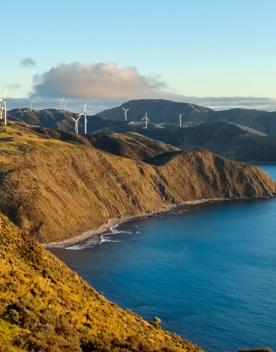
118,221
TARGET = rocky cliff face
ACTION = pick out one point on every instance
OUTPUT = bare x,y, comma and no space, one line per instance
46,307
56,190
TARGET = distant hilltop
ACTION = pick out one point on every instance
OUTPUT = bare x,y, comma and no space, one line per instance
239,134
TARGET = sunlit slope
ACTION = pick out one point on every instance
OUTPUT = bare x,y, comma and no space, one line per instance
56,189
46,307
131,145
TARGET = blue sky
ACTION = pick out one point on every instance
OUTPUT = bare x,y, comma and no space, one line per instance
198,48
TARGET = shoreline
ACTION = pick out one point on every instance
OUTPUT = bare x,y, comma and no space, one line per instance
118,221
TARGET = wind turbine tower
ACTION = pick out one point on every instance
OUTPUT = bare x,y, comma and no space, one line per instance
62,104
31,104
76,120
3,108
65,102
146,119
180,120
60,100
125,112
84,114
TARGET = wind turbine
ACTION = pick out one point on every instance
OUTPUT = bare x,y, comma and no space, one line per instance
180,120
146,119
60,100
31,104
65,102
62,104
76,120
125,112
84,114
3,107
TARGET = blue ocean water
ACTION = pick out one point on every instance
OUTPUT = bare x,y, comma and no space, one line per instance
209,272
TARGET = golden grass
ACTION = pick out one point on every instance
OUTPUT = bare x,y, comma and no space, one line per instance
56,190
45,305
21,139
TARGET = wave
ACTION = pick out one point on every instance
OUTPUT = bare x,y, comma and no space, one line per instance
114,230
97,240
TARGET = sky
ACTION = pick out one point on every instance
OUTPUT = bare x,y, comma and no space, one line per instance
214,52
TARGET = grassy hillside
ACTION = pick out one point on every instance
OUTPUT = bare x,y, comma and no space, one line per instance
226,139
56,189
45,307
164,111
262,121
240,134
160,111
58,119
131,145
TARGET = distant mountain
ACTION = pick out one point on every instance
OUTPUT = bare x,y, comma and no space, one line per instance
240,134
159,111
227,139
263,121
131,145
57,119
50,118
166,112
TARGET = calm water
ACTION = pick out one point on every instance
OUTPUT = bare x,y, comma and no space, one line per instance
208,272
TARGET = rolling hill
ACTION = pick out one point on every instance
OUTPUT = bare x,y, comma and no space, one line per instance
227,139
56,189
166,112
160,111
58,119
239,134
130,145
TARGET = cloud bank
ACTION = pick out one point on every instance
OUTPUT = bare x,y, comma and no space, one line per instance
223,103
106,85
97,81
27,62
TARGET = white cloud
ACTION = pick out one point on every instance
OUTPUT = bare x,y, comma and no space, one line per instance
100,81
98,105
223,103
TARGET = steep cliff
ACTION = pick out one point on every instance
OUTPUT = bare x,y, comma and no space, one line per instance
56,189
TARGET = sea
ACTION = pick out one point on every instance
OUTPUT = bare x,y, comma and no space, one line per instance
207,271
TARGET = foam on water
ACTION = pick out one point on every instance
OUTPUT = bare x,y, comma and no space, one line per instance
95,240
